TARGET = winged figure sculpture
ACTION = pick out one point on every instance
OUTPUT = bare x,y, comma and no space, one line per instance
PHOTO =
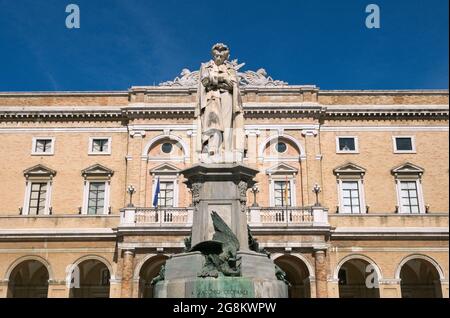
221,252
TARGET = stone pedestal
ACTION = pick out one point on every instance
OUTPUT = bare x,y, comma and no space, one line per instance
221,188
258,279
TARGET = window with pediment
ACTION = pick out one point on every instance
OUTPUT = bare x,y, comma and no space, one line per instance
408,180
282,185
350,187
38,190
96,193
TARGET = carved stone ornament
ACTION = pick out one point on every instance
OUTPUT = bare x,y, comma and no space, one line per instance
259,78
243,186
196,187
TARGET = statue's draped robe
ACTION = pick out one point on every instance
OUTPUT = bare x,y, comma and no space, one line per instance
219,109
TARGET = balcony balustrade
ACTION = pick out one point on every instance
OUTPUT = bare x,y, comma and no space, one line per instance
256,216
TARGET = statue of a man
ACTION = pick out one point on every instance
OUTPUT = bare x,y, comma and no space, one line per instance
219,111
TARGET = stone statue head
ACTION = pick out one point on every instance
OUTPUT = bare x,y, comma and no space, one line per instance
220,53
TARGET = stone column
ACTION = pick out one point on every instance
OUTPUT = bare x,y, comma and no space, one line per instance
390,288
4,288
444,287
321,274
333,288
115,288
127,274
58,289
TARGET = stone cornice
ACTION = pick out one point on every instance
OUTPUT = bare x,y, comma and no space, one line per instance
139,105
378,111
254,111
408,233
64,93
58,234
59,113
386,92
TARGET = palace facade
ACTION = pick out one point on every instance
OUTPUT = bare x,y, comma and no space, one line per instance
351,197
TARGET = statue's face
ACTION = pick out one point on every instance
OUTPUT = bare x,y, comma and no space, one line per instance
220,55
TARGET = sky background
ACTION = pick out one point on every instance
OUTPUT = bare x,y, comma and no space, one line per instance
124,43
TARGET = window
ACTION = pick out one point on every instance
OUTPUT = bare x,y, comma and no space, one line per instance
38,198
96,194
346,145
100,146
169,178
409,197
282,193
281,147
43,146
166,195
166,147
282,185
408,178
39,180
96,201
350,181
404,144
350,197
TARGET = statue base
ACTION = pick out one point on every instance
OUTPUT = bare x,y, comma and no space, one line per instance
258,279
220,189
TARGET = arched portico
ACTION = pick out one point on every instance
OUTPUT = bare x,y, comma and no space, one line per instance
298,272
358,276
28,278
420,277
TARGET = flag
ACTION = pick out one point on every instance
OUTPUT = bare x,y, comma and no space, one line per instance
155,197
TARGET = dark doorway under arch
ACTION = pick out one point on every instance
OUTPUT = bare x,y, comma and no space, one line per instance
93,280
354,280
148,271
28,279
420,279
297,274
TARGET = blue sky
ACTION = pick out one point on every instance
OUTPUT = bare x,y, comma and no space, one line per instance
141,42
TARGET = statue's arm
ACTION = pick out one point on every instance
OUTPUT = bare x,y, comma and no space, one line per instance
205,77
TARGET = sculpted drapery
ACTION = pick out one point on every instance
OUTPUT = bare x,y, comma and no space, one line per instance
219,111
